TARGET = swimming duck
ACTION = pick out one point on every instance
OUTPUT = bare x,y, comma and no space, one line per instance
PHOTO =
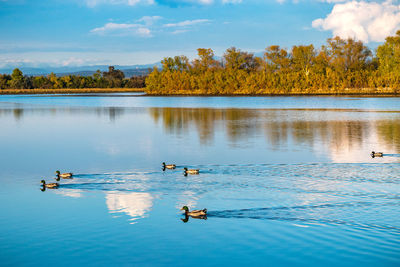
376,154
51,185
194,213
67,175
168,166
191,171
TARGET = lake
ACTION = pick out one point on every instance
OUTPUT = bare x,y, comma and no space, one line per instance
285,180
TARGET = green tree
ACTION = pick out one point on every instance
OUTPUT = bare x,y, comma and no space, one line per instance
389,54
4,81
114,77
17,79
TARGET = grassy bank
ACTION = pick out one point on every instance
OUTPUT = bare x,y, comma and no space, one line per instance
273,92
261,92
68,91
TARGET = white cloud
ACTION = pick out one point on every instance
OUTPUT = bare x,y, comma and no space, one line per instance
143,31
293,1
145,27
209,2
231,1
93,3
206,2
334,1
111,26
186,23
73,61
184,26
179,31
122,29
365,21
149,20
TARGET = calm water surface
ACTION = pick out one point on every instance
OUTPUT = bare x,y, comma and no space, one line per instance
286,180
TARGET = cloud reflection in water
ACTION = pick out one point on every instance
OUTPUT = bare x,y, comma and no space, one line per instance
135,204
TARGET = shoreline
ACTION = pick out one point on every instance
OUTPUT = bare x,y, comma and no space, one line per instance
297,92
292,94
346,92
69,91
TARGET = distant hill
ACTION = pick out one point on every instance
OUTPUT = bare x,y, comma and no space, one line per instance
129,71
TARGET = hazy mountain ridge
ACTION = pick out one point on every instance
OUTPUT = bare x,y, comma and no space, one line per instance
89,70
129,71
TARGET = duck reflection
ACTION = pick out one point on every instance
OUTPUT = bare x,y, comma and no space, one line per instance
44,187
186,219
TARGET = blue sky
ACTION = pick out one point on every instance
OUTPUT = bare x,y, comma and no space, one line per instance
127,32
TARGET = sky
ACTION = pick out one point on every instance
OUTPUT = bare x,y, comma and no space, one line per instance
129,32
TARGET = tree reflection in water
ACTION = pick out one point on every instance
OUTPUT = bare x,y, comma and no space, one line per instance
342,131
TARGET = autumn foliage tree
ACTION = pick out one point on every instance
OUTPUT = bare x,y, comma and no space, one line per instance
340,66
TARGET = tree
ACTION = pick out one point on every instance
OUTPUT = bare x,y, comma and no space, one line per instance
302,58
277,59
41,82
168,64
136,82
181,63
67,81
389,54
55,81
17,79
4,81
28,82
236,59
347,55
113,76
206,60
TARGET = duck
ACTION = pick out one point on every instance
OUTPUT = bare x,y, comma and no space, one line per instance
376,154
67,175
51,185
191,171
194,213
168,166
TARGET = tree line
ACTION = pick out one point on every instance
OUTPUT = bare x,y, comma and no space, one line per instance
339,66
113,78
